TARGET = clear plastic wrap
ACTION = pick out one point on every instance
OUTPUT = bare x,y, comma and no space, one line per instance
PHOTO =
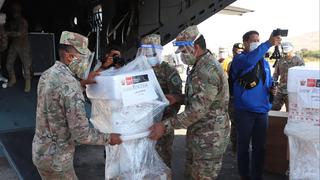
128,101
303,127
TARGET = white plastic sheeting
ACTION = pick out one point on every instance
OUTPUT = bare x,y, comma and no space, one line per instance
128,101
303,127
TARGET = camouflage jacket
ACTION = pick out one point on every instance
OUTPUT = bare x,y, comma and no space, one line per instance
281,70
61,120
19,26
206,95
171,83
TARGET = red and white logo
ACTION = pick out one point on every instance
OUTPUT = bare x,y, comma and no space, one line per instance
311,82
129,80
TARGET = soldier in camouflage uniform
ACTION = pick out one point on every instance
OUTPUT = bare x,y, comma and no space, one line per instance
3,40
19,46
287,61
170,82
206,111
61,121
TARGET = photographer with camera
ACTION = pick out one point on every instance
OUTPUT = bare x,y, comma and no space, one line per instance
111,60
108,61
286,61
252,87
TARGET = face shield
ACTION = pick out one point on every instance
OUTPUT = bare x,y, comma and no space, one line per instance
287,49
186,50
81,65
152,53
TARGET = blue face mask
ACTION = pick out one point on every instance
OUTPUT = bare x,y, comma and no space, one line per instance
153,61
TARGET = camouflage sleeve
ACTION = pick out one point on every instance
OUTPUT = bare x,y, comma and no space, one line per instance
175,82
174,87
206,87
276,73
78,123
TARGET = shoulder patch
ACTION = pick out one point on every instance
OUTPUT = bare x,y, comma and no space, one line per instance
175,80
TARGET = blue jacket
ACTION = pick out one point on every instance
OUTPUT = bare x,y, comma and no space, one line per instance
257,98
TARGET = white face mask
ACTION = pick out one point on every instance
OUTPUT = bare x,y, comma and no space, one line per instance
223,55
153,61
254,45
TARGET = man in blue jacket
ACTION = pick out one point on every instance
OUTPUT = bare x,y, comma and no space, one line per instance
252,101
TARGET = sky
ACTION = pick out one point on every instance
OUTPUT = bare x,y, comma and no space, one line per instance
297,16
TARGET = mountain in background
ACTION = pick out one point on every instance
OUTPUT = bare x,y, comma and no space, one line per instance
309,41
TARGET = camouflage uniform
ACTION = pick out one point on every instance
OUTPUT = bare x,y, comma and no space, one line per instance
205,116
171,83
61,123
19,46
281,70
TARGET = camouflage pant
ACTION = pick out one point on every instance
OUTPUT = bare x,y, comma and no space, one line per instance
68,174
278,101
164,148
206,144
24,55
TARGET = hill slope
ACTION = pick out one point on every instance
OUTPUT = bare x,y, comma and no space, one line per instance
309,41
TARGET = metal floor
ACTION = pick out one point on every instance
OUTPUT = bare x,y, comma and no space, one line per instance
17,108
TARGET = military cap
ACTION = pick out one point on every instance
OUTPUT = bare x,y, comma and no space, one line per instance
2,18
189,34
79,42
154,39
238,46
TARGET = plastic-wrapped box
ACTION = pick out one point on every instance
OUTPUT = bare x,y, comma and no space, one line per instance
303,127
128,101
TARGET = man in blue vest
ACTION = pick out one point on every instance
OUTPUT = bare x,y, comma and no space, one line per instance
252,87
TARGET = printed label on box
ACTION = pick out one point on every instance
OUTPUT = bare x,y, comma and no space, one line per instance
137,89
309,93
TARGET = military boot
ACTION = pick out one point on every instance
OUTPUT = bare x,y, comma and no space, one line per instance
12,80
27,86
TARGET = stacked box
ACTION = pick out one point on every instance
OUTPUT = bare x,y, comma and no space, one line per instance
303,124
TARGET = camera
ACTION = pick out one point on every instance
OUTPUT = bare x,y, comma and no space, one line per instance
276,54
119,61
280,32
